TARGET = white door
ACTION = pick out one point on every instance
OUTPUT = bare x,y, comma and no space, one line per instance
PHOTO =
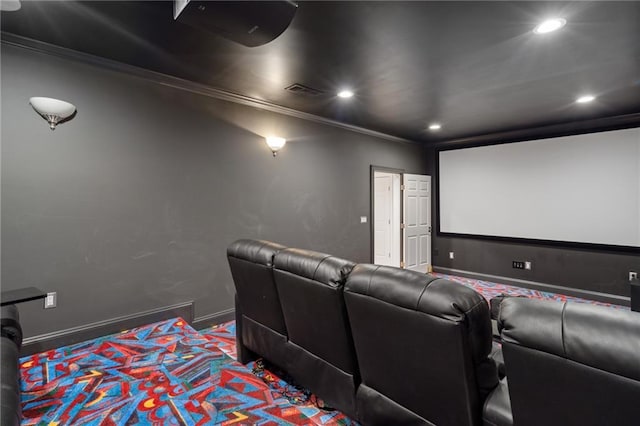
417,222
382,218
386,216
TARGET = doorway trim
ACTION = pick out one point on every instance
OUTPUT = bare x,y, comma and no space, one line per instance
372,222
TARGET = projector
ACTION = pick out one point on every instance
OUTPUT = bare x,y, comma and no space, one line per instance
250,23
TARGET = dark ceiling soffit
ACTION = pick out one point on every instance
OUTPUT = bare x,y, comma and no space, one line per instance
182,84
593,125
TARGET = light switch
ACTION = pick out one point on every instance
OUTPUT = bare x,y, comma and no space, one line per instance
363,219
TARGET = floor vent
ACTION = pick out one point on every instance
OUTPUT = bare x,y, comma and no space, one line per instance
301,89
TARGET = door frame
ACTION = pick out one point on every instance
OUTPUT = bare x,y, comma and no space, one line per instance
372,221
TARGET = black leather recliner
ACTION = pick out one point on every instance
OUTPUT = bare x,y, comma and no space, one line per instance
571,363
310,287
422,346
10,343
260,327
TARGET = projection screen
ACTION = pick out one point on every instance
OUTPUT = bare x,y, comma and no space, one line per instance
582,188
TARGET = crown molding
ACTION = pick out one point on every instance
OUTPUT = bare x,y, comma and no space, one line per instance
185,85
592,125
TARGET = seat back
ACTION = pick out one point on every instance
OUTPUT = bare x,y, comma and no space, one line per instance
260,325
422,345
571,363
310,287
10,342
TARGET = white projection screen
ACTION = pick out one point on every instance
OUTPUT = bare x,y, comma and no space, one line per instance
580,189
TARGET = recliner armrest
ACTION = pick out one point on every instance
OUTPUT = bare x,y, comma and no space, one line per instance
498,359
10,324
497,407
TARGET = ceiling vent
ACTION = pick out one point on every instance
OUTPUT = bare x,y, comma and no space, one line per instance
301,89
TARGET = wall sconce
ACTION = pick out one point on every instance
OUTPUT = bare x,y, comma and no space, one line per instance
275,143
10,5
53,110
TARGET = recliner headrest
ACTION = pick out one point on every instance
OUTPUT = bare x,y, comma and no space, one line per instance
256,251
420,292
601,337
319,267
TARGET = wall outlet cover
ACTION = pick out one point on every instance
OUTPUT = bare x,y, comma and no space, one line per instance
450,255
51,301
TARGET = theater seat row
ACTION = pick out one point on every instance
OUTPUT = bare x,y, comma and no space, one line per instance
388,346
568,364
383,345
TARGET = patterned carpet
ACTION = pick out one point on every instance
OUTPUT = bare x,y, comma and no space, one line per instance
169,374
223,337
490,290
160,374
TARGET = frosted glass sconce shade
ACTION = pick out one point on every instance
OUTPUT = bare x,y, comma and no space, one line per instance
275,143
54,111
10,5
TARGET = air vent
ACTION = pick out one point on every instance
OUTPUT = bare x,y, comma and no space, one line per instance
301,89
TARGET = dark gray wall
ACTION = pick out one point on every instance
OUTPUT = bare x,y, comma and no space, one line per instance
586,269
131,205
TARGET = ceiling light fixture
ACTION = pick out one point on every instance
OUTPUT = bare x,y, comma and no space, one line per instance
435,126
585,99
345,94
275,143
550,25
54,111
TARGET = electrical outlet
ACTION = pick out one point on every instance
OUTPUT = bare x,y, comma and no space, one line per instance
363,219
517,264
528,265
51,301
450,255
633,275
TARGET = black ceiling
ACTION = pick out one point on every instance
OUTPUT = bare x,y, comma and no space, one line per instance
475,67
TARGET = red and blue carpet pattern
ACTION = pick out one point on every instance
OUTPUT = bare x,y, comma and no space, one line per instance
223,337
490,290
169,374
160,374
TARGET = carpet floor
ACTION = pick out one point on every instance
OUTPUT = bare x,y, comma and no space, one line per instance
490,290
223,336
160,374
167,373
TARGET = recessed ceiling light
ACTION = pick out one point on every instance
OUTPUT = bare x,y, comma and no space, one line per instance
585,99
550,25
345,94
435,126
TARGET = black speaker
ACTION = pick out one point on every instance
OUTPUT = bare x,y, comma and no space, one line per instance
635,295
250,23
